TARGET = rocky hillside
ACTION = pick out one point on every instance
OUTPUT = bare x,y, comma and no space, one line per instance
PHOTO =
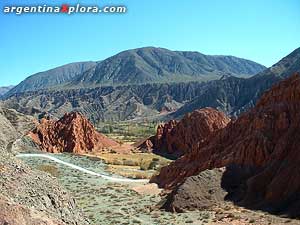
72,133
13,126
27,196
139,66
108,103
32,197
52,78
235,95
260,150
155,101
177,138
152,65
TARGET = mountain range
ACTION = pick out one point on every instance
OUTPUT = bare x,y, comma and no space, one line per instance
149,83
140,66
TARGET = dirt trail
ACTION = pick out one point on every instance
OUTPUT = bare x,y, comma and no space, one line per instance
83,169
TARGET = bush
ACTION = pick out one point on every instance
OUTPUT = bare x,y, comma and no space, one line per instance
49,169
145,164
128,162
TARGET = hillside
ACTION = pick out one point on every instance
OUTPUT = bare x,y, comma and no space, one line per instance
51,78
140,66
155,65
235,95
29,196
161,101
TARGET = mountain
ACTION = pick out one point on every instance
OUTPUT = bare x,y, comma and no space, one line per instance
235,95
260,150
108,103
52,78
156,101
140,66
155,65
285,67
4,90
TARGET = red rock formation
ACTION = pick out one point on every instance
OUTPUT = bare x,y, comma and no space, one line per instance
177,138
263,144
72,133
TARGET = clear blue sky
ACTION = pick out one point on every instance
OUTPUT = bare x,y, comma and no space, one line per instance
260,30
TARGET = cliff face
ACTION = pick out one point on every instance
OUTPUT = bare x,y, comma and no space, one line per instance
260,150
72,133
177,138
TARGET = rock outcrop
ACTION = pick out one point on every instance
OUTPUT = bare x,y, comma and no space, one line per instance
260,150
201,191
177,138
72,133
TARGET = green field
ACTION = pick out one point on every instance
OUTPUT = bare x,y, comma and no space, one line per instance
127,131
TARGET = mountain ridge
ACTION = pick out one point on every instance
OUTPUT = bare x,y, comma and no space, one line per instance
150,65
51,78
139,66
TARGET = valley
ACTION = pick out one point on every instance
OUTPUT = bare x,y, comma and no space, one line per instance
199,150
108,201
171,113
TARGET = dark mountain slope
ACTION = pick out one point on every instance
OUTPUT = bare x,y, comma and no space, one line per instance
51,78
229,94
235,95
149,65
108,103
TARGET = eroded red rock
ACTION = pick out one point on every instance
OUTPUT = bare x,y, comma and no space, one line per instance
177,138
261,149
72,133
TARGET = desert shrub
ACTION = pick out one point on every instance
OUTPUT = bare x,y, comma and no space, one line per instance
115,162
51,169
129,162
145,164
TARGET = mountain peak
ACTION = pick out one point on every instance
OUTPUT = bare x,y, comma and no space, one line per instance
140,66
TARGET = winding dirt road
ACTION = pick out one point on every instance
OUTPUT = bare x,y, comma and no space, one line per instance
115,179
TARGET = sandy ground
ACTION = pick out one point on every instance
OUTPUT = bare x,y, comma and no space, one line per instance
147,189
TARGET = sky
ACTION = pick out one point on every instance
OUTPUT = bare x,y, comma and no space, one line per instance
260,30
